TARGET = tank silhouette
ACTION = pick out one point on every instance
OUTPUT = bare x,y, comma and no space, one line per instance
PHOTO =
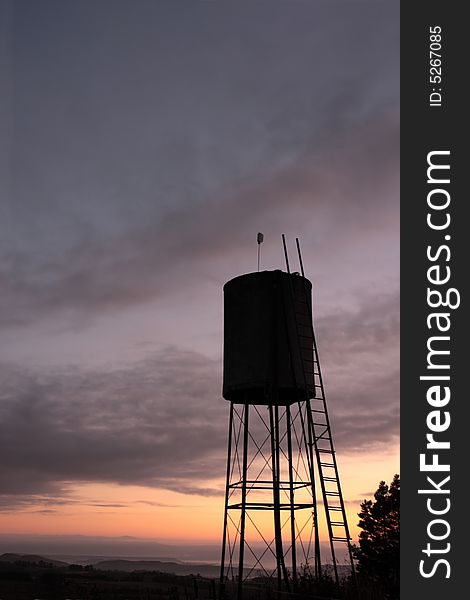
268,338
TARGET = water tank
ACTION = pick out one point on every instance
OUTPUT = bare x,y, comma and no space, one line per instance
268,343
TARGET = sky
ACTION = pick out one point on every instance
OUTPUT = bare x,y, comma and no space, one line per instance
144,145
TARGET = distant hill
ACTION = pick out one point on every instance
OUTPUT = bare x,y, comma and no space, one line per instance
157,565
32,559
129,566
92,559
69,547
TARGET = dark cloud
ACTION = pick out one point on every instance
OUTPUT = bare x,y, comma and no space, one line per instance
134,165
157,423
162,422
360,354
348,190
61,495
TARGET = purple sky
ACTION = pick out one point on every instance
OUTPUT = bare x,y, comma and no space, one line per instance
144,144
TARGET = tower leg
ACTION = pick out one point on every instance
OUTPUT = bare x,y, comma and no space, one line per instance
241,554
291,499
227,491
311,446
275,463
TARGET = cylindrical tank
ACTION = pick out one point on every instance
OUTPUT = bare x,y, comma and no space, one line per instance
268,338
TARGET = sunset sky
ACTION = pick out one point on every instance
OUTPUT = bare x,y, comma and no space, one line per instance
143,146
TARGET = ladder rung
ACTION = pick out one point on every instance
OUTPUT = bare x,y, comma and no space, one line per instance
323,464
340,539
323,451
332,493
337,523
330,479
335,508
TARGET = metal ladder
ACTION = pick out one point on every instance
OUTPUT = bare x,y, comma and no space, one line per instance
319,424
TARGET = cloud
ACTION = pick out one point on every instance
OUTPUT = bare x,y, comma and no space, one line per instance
360,354
162,422
156,423
338,191
149,167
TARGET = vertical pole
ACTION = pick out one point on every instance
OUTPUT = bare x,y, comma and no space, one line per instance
259,239
285,574
299,254
227,490
312,443
291,498
275,457
276,515
243,515
308,443
286,256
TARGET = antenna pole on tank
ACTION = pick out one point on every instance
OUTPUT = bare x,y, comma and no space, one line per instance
285,253
259,239
299,254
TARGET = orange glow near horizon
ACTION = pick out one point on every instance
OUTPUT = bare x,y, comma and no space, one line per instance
143,512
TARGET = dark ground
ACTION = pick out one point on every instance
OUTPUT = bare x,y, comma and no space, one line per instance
44,582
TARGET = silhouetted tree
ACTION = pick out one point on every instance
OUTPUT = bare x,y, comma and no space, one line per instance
378,553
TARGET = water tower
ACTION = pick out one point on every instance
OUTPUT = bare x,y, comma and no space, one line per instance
281,460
